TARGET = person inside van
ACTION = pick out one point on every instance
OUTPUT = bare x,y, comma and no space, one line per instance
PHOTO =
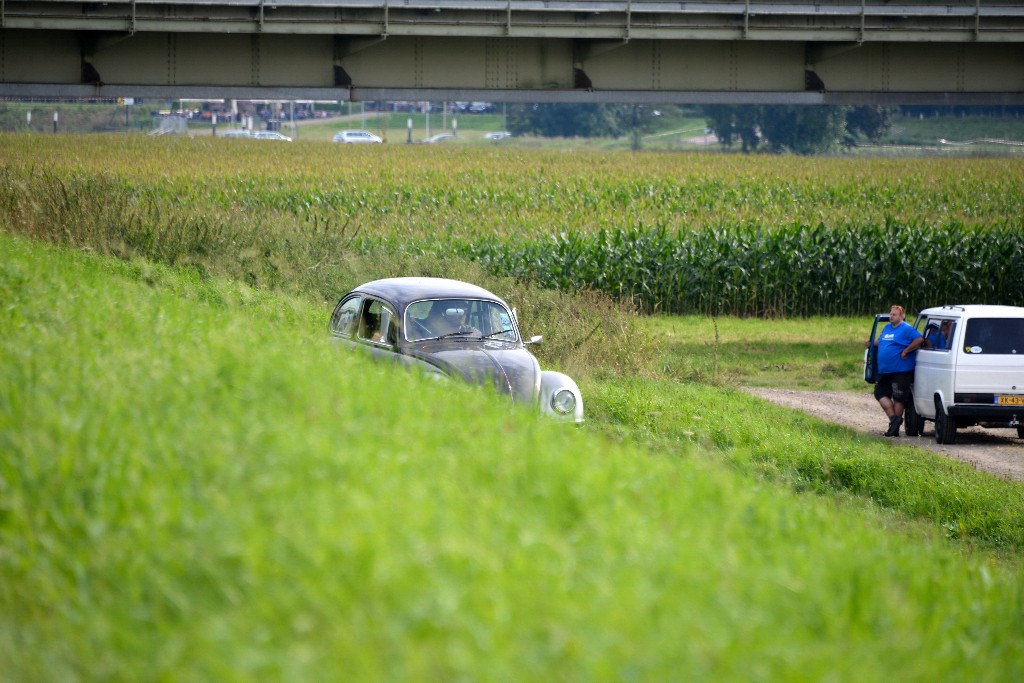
937,336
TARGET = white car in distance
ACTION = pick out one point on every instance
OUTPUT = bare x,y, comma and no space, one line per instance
270,135
350,137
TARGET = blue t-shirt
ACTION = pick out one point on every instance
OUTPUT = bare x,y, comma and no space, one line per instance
891,343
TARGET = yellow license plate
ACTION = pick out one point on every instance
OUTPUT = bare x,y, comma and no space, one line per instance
1010,400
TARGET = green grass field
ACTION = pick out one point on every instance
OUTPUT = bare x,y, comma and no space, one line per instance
196,485
794,353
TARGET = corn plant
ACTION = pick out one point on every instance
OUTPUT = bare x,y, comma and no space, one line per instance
767,236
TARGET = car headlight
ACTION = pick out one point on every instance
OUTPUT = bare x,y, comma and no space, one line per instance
563,402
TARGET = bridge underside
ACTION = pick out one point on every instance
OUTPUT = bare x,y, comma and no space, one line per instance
822,52
68,63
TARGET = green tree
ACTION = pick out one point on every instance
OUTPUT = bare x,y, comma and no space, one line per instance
582,120
803,129
643,119
798,129
871,122
731,122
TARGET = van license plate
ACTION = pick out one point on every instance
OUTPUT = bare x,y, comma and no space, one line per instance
1010,400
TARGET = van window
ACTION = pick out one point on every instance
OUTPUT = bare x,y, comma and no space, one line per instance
938,334
994,336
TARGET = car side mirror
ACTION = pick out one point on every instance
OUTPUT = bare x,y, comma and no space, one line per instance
536,339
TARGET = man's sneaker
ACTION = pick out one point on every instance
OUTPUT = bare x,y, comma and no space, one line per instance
894,426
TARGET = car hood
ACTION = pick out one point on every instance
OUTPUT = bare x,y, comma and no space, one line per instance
510,370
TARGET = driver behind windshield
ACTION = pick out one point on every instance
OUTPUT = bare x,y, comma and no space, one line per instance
447,317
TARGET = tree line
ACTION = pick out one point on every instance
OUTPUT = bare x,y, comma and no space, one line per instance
801,129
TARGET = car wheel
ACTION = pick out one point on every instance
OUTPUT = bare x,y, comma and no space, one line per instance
945,426
913,423
1020,432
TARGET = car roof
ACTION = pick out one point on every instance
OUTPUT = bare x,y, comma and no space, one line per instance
405,290
976,311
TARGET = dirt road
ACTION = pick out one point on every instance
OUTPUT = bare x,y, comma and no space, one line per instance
998,451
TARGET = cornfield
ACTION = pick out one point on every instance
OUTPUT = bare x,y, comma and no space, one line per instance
794,270
712,233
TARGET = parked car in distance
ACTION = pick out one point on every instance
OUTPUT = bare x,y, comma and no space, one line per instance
498,135
449,328
440,137
270,135
236,133
350,137
969,372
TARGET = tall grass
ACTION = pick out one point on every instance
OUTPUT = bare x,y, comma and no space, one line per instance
810,455
197,486
321,258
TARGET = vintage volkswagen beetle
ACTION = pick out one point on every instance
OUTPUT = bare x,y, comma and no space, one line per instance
453,329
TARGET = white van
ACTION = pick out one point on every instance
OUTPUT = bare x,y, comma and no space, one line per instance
971,372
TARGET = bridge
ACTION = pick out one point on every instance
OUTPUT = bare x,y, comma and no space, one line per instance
653,51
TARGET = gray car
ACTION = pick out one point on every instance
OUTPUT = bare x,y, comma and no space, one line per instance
452,329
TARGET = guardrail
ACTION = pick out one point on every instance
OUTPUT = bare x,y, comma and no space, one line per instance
838,20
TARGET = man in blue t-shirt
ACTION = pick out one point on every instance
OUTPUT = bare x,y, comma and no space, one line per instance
897,346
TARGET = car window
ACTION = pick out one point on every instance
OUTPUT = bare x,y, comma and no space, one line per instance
938,333
377,323
473,318
994,336
346,314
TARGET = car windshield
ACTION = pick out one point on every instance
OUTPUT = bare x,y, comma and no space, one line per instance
994,336
458,318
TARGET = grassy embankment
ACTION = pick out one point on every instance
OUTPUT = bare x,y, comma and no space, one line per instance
198,486
221,513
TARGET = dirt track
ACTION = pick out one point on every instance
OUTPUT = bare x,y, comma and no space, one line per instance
998,451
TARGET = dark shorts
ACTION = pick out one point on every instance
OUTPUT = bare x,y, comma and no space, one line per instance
894,385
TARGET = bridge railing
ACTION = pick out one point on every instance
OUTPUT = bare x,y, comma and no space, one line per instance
839,20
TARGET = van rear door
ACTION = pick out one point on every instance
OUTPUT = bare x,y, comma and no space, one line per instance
991,360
